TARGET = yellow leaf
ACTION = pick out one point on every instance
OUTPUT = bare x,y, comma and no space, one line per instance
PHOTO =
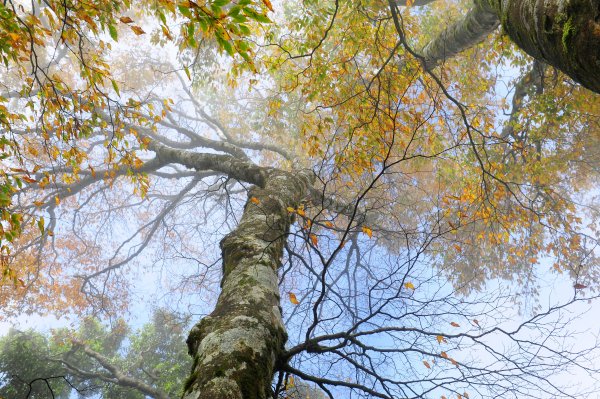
409,286
293,298
255,200
57,200
290,209
367,231
440,339
426,363
137,30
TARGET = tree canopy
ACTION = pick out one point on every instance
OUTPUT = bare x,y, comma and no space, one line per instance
327,185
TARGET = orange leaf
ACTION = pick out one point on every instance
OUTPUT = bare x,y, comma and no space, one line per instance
453,324
426,363
314,240
29,179
367,231
126,20
255,200
328,224
444,355
293,298
137,30
268,4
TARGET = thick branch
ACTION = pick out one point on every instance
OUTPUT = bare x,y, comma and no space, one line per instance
470,30
235,168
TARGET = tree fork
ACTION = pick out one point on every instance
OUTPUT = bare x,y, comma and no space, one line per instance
236,347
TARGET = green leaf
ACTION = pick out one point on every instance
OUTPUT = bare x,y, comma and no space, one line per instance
256,16
185,11
113,32
40,224
114,85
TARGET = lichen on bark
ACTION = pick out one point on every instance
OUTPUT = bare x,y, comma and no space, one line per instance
236,347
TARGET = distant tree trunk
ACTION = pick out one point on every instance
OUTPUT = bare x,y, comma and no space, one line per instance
561,33
236,347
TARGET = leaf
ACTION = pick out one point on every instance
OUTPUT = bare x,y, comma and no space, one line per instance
579,286
137,30
40,224
409,286
440,339
293,298
367,231
57,200
187,72
268,4
444,355
113,32
314,239
454,324
116,87
29,179
290,209
126,20
426,363
255,200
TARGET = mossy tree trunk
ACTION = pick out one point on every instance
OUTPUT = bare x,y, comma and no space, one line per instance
237,346
561,33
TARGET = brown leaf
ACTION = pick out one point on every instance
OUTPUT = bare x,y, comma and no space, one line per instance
426,363
126,20
579,286
137,30
454,324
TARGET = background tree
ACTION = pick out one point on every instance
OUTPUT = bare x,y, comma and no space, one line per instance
95,361
379,170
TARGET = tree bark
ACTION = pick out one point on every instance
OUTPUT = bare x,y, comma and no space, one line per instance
465,33
236,347
562,33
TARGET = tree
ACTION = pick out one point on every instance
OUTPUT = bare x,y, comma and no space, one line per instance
411,179
92,361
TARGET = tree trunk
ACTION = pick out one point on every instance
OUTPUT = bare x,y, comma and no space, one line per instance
236,347
562,33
